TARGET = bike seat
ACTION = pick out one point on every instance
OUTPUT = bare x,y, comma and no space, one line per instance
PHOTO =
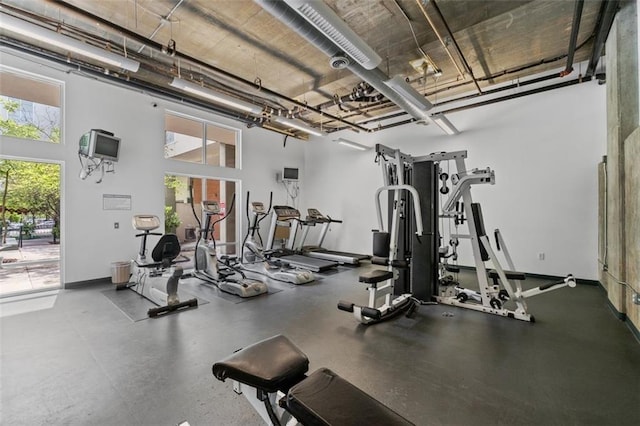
324,398
272,364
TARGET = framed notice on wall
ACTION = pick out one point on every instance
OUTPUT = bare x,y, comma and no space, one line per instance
116,202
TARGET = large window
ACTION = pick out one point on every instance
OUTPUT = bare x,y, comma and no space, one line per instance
30,106
198,141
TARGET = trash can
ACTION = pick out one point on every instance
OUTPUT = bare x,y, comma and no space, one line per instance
120,272
189,233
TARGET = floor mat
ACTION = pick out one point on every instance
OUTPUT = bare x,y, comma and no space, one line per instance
135,306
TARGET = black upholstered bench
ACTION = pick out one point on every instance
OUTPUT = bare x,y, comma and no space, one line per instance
322,398
271,365
375,276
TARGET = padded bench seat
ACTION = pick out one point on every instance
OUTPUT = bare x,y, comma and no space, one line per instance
324,398
511,275
272,364
375,276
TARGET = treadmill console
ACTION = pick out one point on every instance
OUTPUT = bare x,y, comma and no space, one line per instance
211,207
286,212
257,207
145,222
316,216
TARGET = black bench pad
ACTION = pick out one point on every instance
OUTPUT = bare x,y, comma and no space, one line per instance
511,275
272,364
375,276
452,268
324,398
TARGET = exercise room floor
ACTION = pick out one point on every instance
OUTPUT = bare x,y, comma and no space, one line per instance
83,362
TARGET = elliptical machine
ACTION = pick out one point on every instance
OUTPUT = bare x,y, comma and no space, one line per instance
258,261
207,267
157,280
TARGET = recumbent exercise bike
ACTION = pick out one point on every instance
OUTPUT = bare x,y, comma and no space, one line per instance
157,280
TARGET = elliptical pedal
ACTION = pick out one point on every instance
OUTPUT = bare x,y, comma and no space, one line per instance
164,310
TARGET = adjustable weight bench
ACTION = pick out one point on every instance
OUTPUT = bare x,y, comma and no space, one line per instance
272,376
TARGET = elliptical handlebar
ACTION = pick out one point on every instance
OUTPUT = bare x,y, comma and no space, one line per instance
226,214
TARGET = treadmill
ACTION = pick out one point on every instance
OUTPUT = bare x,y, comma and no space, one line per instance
317,251
289,217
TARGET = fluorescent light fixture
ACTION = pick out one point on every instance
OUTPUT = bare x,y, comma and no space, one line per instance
411,95
298,125
220,98
351,144
444,123
321,16
39,33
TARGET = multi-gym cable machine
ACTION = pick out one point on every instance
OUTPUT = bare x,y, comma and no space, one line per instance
506,284
409,247
417,266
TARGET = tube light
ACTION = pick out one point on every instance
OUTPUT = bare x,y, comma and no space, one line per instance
411,95
444,123
298,125
321,16
39,33
220,98
351,144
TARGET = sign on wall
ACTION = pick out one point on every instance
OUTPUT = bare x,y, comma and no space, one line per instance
116,202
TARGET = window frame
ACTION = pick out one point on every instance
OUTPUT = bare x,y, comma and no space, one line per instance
47,80
237,211
204,123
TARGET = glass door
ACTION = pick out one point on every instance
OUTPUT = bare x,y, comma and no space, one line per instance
183,210
29,227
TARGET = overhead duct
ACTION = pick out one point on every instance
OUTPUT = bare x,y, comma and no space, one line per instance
318,14
374,77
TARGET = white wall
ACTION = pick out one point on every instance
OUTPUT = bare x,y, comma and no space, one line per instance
89,241
544,149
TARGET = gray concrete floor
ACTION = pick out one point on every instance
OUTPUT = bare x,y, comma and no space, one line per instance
83,362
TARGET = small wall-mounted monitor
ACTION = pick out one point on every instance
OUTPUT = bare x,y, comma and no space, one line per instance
289,174
100,144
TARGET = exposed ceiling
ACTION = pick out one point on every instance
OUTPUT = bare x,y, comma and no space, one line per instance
446,49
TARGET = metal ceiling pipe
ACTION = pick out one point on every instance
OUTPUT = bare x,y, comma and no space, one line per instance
575,27
455,44
435,30
131,84
520,94
374,77
163,20
495,100
158,47
607,13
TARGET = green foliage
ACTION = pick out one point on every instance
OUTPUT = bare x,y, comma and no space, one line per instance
173,182
33,186
171,220
35,131
27,229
